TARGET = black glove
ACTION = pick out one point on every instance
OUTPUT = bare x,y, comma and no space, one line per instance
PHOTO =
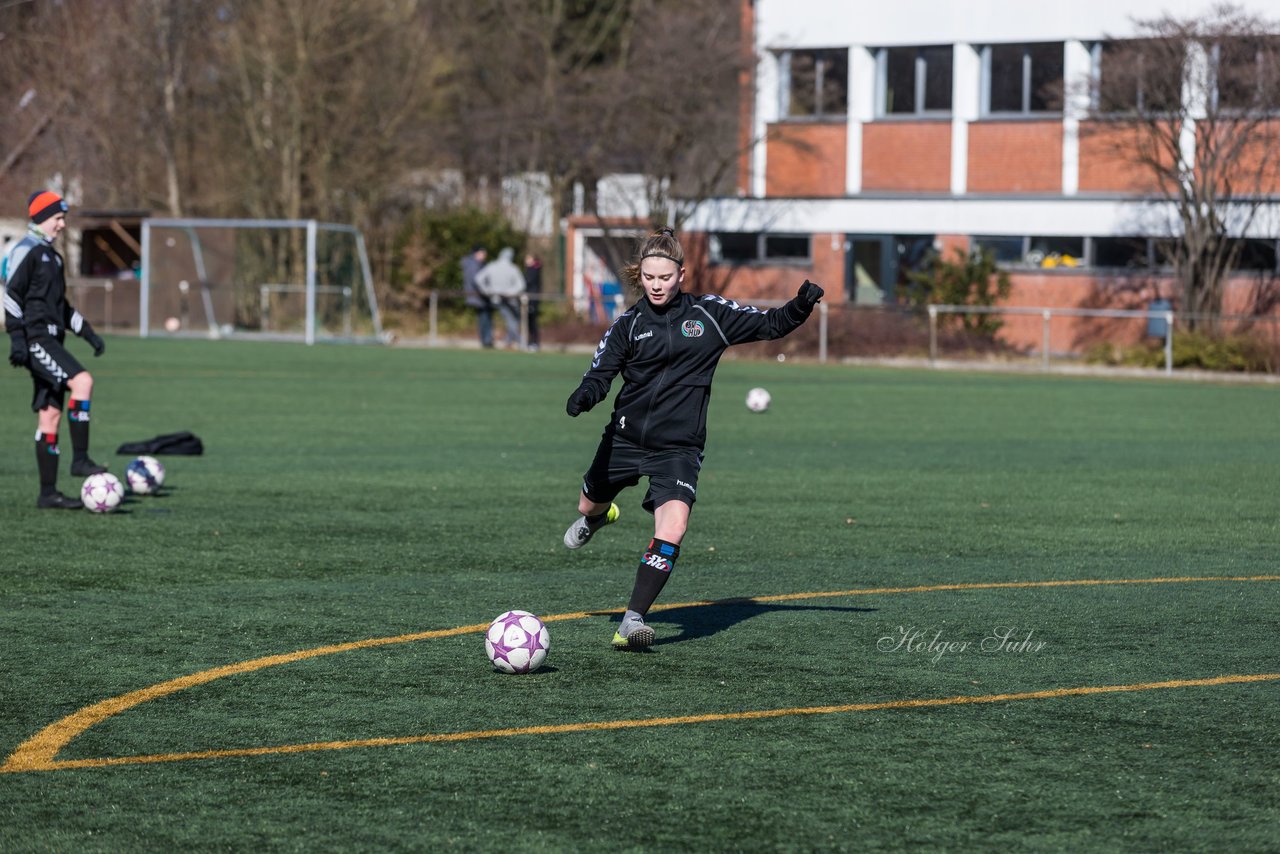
580,401
94,339
19,355
809,294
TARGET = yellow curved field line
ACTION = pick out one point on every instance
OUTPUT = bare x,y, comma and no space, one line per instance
39,753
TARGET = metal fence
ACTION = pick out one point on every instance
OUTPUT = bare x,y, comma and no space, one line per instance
1036,338
1167,318
1042,338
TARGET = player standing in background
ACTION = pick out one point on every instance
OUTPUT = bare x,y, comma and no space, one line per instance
37,316
666,346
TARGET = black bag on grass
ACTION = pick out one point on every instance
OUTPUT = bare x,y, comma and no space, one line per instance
179,444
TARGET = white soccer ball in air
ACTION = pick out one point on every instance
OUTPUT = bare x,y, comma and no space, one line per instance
758,400
102,493
173,324
145,475
517,642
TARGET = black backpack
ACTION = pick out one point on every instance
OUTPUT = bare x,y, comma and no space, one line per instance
179,444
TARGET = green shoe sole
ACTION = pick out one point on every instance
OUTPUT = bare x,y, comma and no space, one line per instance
638,639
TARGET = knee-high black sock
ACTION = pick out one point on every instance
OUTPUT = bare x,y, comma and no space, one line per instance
654,570
47,462
78,416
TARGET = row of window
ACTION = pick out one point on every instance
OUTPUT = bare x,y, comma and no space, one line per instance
1021,79
1128,253
745,248
1125,253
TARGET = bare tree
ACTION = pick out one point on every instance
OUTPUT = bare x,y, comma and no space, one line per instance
1191,104
578,90
121,131
321,108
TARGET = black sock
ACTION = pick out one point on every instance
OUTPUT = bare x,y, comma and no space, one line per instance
47,462
78,417
654,570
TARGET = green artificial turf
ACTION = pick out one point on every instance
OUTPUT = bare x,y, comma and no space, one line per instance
349,494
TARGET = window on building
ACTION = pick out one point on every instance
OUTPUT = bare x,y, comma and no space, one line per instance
786,247
728,247
1127,253
815,83
1007,250
1047,253
1138,76
1163,251
1256,255
1054,252
915,80
1023,78
1247,74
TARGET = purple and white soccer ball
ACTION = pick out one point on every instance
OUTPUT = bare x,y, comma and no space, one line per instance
517,642
758,400
102,493
145,475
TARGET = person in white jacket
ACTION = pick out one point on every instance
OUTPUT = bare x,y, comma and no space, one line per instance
503,282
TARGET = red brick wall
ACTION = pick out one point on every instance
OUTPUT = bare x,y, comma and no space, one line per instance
906,156
806,159
1015,157
1254,168
1108,154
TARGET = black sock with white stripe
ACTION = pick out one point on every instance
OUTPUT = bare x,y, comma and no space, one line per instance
47,462
78,417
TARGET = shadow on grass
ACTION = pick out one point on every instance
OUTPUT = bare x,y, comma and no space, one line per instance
700,621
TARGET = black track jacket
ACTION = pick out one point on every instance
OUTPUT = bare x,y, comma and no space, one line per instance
667,357
35,297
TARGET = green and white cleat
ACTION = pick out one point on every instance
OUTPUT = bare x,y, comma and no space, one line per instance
581,531
638,636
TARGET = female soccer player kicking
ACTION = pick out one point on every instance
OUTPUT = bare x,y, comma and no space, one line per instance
666,346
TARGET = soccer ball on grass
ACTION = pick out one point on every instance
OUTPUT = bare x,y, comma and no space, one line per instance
758,400
101,493
145,475
517,642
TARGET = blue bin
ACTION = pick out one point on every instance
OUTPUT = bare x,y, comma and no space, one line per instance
1158,327
608,297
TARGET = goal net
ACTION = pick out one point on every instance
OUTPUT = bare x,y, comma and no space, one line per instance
288,279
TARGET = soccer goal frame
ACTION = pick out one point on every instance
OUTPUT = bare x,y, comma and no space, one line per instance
309,287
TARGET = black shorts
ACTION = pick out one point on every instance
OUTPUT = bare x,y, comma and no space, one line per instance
673,475
51,366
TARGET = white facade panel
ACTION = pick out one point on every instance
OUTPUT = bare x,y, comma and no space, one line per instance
832,23
966,216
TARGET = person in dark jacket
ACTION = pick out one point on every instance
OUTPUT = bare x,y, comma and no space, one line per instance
533,288
475,297
666,346
37,317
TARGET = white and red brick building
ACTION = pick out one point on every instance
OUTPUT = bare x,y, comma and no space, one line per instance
875,131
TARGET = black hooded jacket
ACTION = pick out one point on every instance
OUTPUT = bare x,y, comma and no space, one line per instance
667,357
